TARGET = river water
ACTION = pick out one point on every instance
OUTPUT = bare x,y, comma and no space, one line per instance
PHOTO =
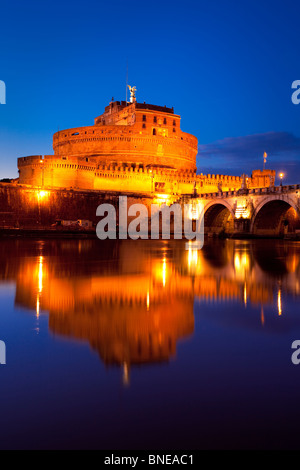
149,345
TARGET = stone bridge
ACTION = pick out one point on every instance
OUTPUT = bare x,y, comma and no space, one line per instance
273,211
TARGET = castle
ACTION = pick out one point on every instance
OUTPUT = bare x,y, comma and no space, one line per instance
134,148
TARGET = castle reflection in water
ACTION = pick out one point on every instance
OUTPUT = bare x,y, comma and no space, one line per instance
134,300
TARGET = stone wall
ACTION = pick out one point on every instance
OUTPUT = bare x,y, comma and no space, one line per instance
25,206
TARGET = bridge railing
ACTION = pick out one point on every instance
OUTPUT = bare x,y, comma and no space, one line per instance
240,192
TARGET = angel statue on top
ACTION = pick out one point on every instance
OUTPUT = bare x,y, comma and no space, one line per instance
132,90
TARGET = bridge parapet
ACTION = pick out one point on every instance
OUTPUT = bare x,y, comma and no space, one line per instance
252,191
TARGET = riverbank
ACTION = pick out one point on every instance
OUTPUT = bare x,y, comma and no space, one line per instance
46,233
54,232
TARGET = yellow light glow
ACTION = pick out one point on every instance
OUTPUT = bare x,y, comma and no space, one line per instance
164,271
38,306
194,211
161,199
37,313
245,295
241,264
242,210
160,270
40,274
42,194
162,196
192,256
279,302
193,214
148,301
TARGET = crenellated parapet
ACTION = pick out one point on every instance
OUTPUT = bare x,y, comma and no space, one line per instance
57,171
85,172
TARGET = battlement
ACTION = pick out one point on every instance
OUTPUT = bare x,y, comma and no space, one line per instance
110,133
154,107
121,110
32,159
81,172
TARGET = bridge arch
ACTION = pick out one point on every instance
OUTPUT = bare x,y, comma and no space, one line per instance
218,217
275,216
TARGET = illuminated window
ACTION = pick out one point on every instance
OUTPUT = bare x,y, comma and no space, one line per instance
159,186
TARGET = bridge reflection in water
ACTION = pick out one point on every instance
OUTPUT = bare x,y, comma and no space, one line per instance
134,300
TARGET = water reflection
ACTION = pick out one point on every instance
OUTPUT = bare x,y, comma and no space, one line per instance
134,300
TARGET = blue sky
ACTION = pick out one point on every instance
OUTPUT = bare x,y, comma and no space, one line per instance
226,66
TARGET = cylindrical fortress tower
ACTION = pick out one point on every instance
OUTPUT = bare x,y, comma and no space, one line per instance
131,134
